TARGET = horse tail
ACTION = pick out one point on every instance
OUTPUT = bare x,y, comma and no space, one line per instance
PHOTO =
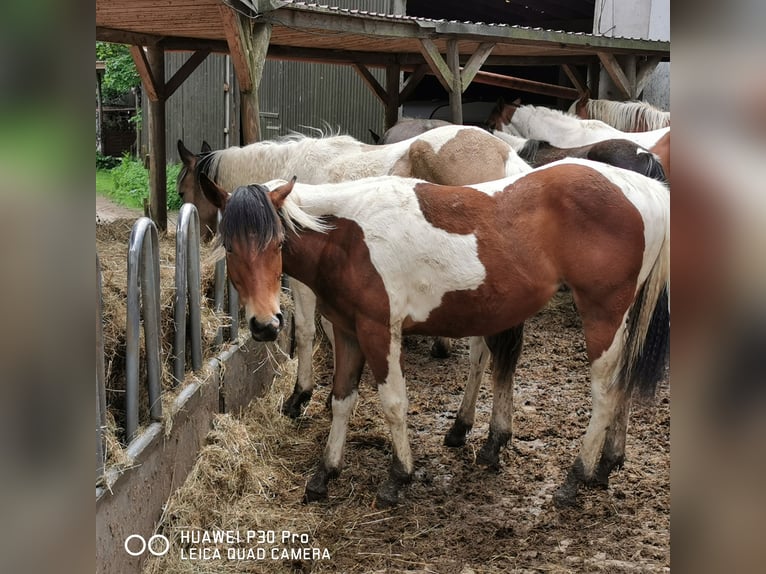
529,151
647,341
506,348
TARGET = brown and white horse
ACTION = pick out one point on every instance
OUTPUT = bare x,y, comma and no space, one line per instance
560,128
618,152
390,256
450,155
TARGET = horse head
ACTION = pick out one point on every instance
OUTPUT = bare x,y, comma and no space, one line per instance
501,114
188,187
252,234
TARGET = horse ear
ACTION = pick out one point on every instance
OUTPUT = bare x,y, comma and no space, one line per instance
279,195
213,192
206,147
187,157
375,137
516,102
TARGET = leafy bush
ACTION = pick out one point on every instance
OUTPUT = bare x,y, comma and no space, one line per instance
106,161
131,183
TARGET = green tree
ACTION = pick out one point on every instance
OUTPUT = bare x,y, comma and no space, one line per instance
120,75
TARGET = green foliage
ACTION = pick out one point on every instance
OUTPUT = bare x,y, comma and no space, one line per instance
104,182
131,184
106,161
120,74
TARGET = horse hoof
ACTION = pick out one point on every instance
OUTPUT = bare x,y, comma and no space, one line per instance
440,349
565,497
314,495
456,436
293,406
489,459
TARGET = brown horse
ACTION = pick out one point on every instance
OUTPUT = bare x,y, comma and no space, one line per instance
389,256
618,152
450,155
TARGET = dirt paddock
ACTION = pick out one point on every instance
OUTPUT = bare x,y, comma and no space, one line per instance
455,517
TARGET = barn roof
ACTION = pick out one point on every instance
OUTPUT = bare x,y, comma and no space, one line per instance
310,31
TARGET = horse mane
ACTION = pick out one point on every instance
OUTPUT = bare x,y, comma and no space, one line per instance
250,161
628,116
250,218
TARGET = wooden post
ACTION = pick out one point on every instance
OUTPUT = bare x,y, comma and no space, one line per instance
157,159
248,43
393,81
456,89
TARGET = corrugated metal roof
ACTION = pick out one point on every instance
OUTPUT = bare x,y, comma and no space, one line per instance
313,26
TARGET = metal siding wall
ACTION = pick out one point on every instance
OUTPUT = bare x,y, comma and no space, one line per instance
316,95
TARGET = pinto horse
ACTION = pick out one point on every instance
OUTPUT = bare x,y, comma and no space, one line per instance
389,257
560,128
618,152
632,116
450,155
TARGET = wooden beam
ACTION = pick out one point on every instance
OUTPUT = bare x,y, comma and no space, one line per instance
437,64
475,62
576,78
185,71
523,85
154,88
232,27
613,68
412,82
644,73
155,59
371,82
124,37
456,90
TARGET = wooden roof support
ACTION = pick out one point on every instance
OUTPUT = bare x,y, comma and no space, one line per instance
437,64
644,71
185,71
412,82
154,87
248,44
393,82
616,73
475,63
576,78
371,82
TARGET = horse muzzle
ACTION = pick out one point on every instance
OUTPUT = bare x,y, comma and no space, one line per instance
266,331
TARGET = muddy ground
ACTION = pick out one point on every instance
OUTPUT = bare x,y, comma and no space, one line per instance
455,517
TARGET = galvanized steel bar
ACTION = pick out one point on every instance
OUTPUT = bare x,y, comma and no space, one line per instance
143,266
234,312
187,290
100,377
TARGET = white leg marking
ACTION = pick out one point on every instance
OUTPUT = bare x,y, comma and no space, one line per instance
605,403
305,330
341,413
478,354
393,399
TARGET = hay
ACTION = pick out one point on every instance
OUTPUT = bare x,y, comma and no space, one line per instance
112,240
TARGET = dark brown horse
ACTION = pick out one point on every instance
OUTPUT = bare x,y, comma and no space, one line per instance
389,256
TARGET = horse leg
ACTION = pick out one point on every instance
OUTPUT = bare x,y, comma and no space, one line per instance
329,333
607,400
349,362
441,347
478,357
613,453
305,329
382,346
505,348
